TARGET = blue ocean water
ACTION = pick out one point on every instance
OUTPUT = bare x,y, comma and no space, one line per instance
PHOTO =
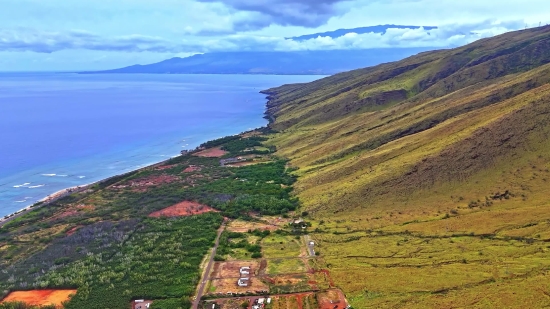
59,130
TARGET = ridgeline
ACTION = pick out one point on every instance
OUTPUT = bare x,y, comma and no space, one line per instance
428,176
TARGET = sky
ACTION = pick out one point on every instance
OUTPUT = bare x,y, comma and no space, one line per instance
61,35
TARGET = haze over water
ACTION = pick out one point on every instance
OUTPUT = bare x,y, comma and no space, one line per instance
63,130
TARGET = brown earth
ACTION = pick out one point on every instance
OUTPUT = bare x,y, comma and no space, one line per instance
182,209
231,269
239,164
211,153
332,299
224,286
72,230
192,168
141,183
244,226
40,297
165,167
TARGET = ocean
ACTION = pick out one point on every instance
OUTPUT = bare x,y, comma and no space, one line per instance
60,130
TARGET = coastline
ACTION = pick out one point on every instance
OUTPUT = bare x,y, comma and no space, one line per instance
50,198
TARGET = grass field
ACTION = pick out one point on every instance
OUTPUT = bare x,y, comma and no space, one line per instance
427,179
285,266
281,246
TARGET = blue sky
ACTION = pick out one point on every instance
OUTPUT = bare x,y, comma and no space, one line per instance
99,34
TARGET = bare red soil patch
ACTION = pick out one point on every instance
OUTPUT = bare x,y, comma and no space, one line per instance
192,168
182,209
85,207
165,167
211,153
148,182
332,299
71,231
40,297
225,270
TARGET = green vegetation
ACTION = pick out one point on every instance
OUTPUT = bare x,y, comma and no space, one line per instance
151,259
285,266
246,145
238,246
279,246
426,179
102,241
263,188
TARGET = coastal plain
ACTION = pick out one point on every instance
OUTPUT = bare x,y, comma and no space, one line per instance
420,183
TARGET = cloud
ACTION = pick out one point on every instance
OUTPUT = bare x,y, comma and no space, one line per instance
444,36
48,42
305,13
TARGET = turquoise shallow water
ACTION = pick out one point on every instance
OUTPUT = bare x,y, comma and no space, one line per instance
63,130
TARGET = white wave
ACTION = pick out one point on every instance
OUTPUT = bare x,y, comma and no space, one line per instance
23,201
23,185
38,186
62,175
49,175
81,177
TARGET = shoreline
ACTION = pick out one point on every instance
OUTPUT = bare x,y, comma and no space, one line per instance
50,198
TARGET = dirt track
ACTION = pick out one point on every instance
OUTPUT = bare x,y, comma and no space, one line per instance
202,284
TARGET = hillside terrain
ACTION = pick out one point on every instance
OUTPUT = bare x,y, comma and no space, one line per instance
145,234
427,178
314,62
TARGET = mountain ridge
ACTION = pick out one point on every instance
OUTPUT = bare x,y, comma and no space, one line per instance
423,170
381,29
322,62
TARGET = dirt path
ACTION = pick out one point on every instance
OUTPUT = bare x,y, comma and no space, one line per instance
202,284
310,250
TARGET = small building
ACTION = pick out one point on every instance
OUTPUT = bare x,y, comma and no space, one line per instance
243,282
142,304
261,301
268,300
245,270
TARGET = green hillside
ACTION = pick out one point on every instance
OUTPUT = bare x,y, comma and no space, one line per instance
428,177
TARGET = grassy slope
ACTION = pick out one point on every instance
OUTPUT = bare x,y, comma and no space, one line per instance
429,174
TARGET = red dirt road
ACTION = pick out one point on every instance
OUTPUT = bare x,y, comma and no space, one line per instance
40,297
182,209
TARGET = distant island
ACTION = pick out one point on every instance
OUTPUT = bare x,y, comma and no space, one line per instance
309,62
